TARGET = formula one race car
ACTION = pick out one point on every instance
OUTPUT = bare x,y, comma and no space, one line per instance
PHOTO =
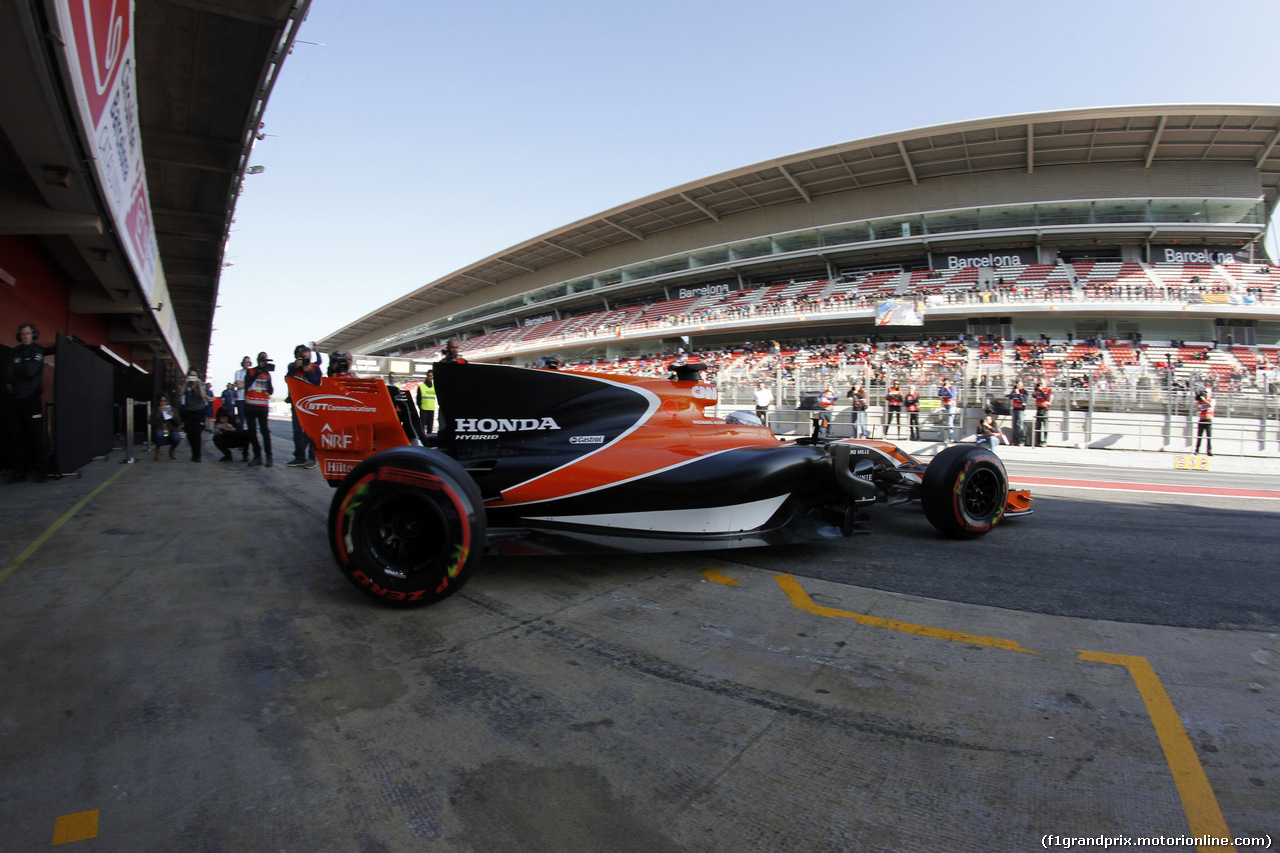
531,461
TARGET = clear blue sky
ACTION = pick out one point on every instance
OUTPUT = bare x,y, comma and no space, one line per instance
424,136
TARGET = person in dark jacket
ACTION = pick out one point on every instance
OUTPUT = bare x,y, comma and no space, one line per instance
24,378
302,367
228,436
166,427
195,401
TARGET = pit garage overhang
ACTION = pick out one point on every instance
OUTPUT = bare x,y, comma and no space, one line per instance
204,72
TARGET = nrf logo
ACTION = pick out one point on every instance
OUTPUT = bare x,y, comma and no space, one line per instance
333,440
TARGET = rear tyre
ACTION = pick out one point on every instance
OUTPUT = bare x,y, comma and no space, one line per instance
407,526
964,491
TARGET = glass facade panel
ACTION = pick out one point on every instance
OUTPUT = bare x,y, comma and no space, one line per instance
842,235
1175,210
751,249
1235,211
638,271
1120,211
1008,216
798,242
668,265
1063,214
719,255
951,220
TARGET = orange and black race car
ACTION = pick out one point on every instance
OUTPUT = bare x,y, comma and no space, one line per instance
531,461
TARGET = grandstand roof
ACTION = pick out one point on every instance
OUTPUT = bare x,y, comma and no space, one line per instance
1241,134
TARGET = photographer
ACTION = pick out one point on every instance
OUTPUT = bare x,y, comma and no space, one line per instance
304,454
257,405
228,436
166,427
1204,429
340,365
195,402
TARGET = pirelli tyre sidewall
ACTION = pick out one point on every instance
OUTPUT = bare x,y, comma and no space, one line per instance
407,526
964,491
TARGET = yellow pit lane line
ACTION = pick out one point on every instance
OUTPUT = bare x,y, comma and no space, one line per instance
1198,801
1204,816
17,561
801,601
80,826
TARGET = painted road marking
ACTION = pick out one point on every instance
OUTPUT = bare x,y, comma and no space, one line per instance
719,577
55,527
801,601
1201,806
75,827
1151,488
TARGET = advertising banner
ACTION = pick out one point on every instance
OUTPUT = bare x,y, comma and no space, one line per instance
1198,255
99,49
718,289
899,312
1000,258
371,366
1221,299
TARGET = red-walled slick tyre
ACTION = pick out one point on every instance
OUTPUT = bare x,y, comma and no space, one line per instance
407,526
964,491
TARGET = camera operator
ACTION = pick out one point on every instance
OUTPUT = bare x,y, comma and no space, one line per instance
340,365
195,402
257,405
304,454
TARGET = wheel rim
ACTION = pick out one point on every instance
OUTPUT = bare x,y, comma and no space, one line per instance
981,496
404,533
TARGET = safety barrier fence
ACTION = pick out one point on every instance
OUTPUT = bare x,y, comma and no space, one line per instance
1245,424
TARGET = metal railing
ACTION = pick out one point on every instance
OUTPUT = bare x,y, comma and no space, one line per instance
1247,423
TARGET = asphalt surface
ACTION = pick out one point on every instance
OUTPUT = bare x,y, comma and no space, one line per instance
1131,556
182,668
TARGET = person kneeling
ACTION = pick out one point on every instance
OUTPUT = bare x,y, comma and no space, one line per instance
988,433
228,436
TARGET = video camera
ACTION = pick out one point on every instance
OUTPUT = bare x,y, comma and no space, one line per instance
339,363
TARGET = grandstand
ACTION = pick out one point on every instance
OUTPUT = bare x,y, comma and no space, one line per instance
1076,245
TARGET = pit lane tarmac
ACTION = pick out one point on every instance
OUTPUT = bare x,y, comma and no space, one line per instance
183,668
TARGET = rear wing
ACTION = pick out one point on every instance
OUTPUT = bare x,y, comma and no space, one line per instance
349,419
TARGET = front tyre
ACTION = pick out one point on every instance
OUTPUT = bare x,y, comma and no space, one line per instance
964,491
407,526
